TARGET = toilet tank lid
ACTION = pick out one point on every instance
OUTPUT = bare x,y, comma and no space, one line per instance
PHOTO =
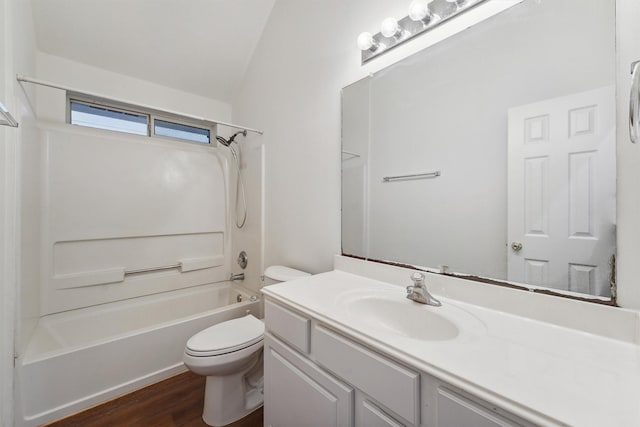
283,274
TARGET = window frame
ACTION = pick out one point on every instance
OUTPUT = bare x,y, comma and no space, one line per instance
152,116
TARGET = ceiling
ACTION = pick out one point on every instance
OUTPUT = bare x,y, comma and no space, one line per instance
197,46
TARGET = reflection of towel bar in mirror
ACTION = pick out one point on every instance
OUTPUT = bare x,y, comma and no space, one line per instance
412,176
6,118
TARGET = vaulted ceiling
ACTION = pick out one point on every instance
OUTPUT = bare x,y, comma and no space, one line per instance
198,46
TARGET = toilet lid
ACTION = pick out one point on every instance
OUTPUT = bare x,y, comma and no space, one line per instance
226,337
283,274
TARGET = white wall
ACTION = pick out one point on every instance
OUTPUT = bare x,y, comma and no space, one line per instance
92,79
292,91
17,54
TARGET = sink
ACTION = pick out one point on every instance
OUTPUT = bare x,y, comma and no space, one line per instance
399,316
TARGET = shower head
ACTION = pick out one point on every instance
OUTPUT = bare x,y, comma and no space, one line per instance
241,132
227,142
223,141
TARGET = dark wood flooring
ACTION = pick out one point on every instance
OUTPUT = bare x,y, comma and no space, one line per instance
175,402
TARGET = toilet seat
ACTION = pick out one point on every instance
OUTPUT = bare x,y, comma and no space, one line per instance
226,337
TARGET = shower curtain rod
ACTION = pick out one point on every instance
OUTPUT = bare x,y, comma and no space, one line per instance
21,79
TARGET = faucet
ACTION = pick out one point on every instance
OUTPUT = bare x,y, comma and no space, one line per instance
419,293
239,276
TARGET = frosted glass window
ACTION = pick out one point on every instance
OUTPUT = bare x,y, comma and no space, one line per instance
176,130
105,118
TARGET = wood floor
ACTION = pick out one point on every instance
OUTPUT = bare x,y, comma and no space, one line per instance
175,402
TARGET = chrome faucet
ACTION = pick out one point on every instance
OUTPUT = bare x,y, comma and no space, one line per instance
419,293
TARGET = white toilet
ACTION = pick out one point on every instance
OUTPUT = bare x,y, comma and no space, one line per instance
230,355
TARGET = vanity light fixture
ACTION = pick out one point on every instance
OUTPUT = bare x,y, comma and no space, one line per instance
458,3
423,16
419,11
367,42
390,28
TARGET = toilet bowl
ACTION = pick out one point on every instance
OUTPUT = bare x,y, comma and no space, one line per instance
229,354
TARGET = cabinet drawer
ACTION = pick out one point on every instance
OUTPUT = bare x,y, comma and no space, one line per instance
289,326
394,386
455,410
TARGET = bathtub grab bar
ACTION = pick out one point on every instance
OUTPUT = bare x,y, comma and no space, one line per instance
116,275
151,269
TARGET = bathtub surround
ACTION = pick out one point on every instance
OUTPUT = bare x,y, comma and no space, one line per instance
130,217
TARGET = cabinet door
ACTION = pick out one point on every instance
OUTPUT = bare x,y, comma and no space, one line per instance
456,411
369,415
299,394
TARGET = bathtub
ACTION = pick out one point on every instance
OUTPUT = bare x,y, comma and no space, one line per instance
79,358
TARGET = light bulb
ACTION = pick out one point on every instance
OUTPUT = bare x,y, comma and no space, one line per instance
367,42
390,28
419,10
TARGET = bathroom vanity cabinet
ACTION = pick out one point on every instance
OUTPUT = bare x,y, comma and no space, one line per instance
317,376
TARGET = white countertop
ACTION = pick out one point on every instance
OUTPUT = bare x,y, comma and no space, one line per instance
548,374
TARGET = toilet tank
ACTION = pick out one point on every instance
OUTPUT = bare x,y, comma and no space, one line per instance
280,273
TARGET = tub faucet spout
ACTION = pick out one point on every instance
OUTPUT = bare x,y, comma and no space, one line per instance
239,276
419,293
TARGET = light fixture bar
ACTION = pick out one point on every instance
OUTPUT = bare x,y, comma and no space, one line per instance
440,12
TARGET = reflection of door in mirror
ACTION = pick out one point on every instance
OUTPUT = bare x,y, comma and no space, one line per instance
561,178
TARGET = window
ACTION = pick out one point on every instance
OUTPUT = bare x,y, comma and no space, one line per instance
177,130
110,117
107,118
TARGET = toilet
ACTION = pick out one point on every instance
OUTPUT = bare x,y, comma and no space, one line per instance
229,354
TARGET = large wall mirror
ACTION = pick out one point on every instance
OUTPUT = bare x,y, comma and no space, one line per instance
492,153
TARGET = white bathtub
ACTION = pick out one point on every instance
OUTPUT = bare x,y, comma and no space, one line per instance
82,357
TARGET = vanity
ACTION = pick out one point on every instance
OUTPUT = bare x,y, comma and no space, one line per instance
488,162
347,348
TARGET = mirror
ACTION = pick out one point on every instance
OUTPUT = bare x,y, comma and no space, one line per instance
491,153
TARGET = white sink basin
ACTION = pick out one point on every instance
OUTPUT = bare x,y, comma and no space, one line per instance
403,317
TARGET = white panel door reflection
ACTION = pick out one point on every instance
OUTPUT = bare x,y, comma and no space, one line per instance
561,192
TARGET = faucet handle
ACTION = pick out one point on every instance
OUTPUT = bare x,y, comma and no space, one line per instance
418,278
